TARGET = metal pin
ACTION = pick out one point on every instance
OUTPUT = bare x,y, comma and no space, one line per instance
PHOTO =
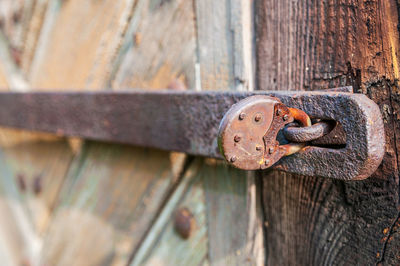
237,138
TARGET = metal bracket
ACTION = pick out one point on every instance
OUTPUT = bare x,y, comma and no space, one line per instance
189,122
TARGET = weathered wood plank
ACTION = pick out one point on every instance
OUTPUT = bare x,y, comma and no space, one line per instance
19,243
78,42
225,61
159,47
106,205
163,245
39,167
307,45
118,190
224,30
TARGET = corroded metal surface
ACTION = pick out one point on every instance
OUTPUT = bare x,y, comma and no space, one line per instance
189,121
247,134
309,133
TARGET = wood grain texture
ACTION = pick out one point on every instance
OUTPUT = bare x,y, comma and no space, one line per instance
78,42
234,219
159,46
224,30
308,45
112,189
109,199
163,245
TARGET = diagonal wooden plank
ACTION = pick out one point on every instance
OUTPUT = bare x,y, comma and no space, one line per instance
109,189
78,42
163,245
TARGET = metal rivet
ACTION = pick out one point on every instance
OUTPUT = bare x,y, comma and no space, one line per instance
183,222
237,138
233,159
257,117
271,150
258,148
242,116
285,117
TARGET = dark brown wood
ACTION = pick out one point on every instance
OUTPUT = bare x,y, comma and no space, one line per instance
312,44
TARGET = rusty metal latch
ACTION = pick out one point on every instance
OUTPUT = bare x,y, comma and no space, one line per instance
258,131
280,130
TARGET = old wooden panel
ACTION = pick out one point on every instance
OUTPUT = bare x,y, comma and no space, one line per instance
225,50
159,47
78,42
163,244
106,205
225,62
115,189
308,45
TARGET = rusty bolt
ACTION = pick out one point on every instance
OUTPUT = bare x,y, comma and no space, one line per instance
271,150
242,116
258,148
183,222
258,117
233,159
285,117
237,138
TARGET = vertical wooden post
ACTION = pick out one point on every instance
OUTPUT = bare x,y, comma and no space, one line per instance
308,45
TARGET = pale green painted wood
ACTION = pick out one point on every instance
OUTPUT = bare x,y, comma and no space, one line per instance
234,217
106,205
163,245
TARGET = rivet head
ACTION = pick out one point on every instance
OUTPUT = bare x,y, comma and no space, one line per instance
258,148
271,150
285,117
233,159
257,118
237,138
183,221
242,116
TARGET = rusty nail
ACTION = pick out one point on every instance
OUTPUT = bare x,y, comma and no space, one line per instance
271,150
257,117
258,148
237,138
242,116
233,159
183,222
285,117
37,184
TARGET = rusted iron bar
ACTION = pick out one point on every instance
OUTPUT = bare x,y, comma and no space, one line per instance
188,122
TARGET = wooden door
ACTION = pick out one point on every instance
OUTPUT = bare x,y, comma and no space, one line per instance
76,202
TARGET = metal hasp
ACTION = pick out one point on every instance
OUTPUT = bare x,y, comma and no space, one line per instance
189,122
